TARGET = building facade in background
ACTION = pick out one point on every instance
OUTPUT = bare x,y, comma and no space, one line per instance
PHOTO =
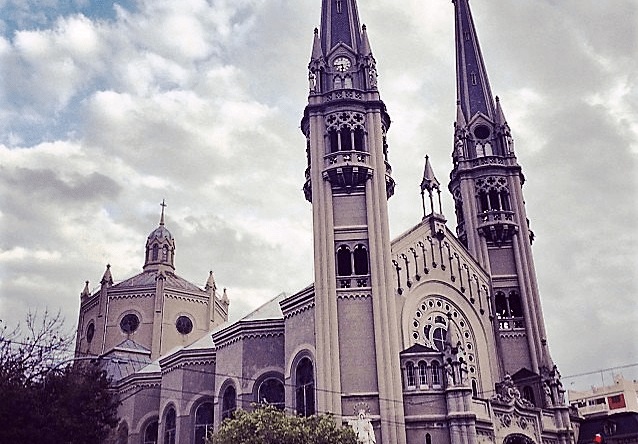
436,336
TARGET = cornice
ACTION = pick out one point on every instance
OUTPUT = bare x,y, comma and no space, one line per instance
241,330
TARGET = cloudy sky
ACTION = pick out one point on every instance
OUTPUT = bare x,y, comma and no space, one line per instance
106,108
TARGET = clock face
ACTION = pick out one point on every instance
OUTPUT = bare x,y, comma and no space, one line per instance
342,64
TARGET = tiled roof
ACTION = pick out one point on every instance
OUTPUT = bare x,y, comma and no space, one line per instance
147,278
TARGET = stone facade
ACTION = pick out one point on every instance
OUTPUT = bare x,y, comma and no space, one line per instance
435,336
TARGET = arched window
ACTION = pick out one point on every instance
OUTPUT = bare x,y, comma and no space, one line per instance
334,141
435,370
344,261
346,139
428,438
271,391
305,388
155,252
359,144
423,373
515,305
203,422
494,200
360,260
501,305
474,388
165,253
229,402
505,200
528,394
483,201
150,433
410,375
347,82
338,82
170,426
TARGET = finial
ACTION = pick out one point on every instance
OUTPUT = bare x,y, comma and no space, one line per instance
211,286
363,27
316,31
86,292
163,205
107,278
225,297
429,183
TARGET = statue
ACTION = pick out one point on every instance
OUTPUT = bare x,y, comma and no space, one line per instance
373,77
312,81
363,428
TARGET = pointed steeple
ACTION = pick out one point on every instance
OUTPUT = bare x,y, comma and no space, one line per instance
473,88
107,279
500,116
317,52
340,25
365,42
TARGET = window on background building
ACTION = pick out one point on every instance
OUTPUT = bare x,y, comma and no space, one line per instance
271,391
305,388
170,426
229,402
203,422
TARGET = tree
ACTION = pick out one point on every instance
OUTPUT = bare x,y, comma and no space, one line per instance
46,396
268,425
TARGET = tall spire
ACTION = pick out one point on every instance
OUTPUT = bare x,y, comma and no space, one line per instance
340,24
473,88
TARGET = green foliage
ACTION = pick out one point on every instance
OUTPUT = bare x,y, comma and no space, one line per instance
268,425
44,399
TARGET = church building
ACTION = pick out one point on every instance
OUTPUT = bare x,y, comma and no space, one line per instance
435,336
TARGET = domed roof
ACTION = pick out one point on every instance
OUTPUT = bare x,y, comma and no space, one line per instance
160,233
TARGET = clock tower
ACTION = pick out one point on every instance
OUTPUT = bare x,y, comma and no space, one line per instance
348,182
487,185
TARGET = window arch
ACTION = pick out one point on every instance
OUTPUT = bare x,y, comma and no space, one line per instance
428,438
410,374
344,261
360,255
271,391
435,371
229,402
305,387
203,422
170,426
150,432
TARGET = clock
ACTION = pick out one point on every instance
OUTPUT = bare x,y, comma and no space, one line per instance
342,64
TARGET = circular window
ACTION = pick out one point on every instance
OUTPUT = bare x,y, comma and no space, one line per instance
184,325
481,132
90,332
129,323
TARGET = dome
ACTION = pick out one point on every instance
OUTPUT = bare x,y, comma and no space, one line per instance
160,233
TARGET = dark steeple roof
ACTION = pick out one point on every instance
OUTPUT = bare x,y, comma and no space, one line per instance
340,24
473,87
